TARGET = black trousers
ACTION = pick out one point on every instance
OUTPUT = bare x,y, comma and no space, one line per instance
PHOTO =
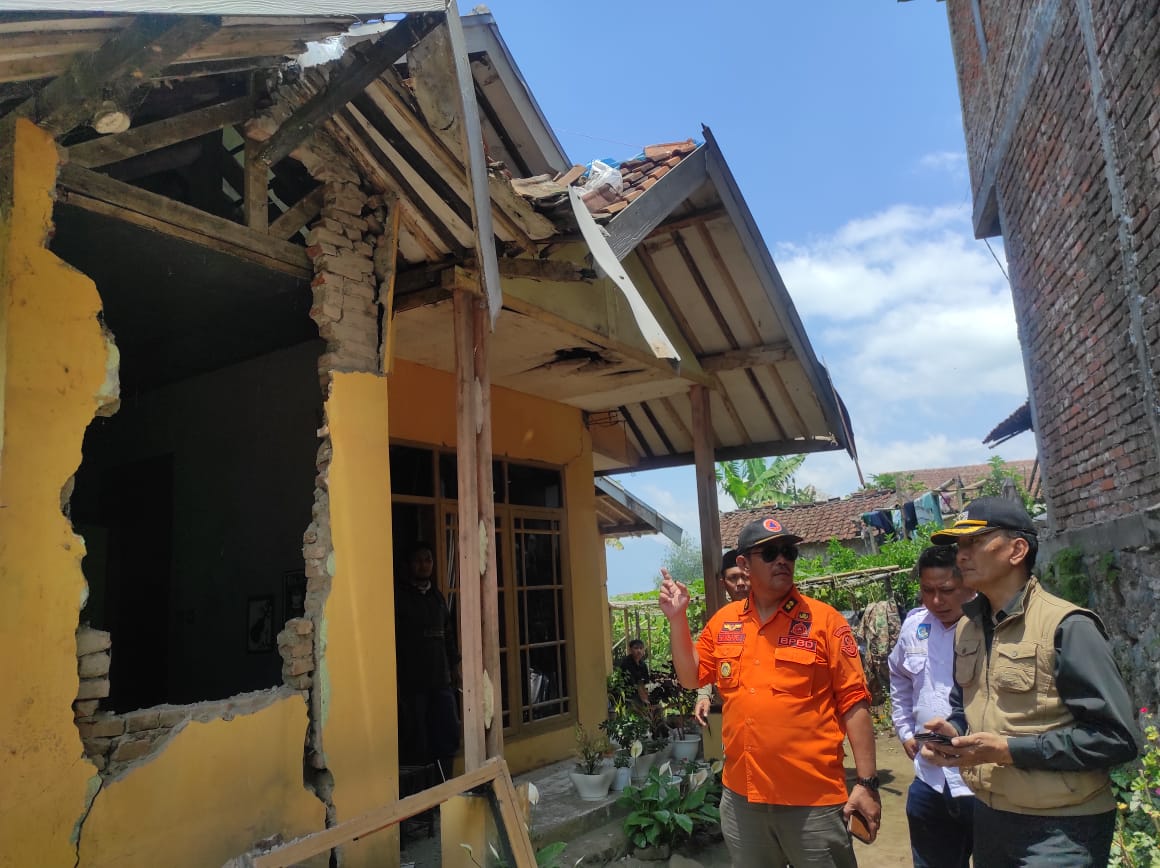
1007,840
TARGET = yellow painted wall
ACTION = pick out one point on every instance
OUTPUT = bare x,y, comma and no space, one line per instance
54,368
529,428
214,791
358,681
216,787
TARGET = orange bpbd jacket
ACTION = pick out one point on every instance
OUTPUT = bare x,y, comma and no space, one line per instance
786,684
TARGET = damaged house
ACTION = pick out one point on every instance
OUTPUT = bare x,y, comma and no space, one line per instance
264,324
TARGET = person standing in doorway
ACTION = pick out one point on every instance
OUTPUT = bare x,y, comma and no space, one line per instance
938,805
427,655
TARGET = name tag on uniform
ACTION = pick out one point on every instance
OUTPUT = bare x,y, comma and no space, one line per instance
731,634
796,642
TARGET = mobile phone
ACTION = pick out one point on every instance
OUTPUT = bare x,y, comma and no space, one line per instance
859,827
932,737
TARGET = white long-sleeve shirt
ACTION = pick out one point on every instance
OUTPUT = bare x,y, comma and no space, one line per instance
921,677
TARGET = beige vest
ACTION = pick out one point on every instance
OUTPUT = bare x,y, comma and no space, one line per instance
1014,694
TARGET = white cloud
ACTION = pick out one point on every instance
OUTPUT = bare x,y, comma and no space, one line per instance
952,162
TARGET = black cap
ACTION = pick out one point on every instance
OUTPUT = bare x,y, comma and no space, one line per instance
760,532
983,514
729,560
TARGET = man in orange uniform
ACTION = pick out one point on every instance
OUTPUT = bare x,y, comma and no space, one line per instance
788,671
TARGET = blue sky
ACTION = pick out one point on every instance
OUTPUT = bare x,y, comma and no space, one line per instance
841,123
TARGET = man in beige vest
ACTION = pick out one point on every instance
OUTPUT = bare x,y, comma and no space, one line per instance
1039,712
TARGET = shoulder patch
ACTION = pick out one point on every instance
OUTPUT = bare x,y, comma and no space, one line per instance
849,645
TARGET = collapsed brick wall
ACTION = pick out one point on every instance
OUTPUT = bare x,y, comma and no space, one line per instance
1062,123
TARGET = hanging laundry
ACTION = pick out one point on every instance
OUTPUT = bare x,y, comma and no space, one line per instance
879,519
909,518
927,509
896,517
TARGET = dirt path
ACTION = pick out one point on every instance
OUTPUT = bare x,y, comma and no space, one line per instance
896,773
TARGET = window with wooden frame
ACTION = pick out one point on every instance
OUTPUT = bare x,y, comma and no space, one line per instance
532,570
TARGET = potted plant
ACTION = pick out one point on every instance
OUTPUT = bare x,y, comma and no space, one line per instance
678,703
664,813
622,761
591,777
654,743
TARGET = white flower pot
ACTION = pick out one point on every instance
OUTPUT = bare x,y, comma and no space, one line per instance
685,748
621,779
643,763
592,788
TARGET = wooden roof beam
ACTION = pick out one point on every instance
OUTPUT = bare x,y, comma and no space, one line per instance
345,86
127,59
161,134
748,450
750,357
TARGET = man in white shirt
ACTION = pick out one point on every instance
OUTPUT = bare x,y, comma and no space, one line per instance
938,805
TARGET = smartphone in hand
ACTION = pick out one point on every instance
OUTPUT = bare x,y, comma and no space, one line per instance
859,827
932,738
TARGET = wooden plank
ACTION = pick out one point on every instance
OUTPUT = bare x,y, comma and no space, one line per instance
161,134
299,214
731,286
748,357
470,626
96,206
256,196
514,817
170,214
134,54
707,510
343,86
605,258
376,820
759,449
387,253
632,225
512,211
474,158
489,576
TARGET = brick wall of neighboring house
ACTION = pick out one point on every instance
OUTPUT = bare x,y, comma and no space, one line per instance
1061,111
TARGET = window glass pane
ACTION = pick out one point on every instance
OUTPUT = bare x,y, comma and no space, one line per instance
534,486
497,481
448,476
412,471
536,564
541,614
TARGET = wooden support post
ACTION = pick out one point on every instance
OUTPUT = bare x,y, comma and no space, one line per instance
257,192
487,567
706,496
470,620
386,269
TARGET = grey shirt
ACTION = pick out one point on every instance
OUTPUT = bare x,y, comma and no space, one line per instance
1089,683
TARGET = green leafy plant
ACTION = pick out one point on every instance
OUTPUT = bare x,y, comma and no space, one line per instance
590,751
677,702
626,722
622,759
755,482
1136,843
663,812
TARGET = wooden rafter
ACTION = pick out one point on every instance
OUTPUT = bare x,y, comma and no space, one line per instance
298,215
124,61
104,195
749,357
344,86
161,134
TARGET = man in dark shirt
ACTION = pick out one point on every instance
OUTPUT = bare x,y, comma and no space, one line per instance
426,654
1039,711
633,665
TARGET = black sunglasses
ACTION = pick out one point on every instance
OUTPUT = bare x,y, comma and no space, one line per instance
770,553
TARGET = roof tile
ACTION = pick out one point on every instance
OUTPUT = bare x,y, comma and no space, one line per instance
813,522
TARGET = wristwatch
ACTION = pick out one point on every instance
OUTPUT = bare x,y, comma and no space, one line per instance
869,783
